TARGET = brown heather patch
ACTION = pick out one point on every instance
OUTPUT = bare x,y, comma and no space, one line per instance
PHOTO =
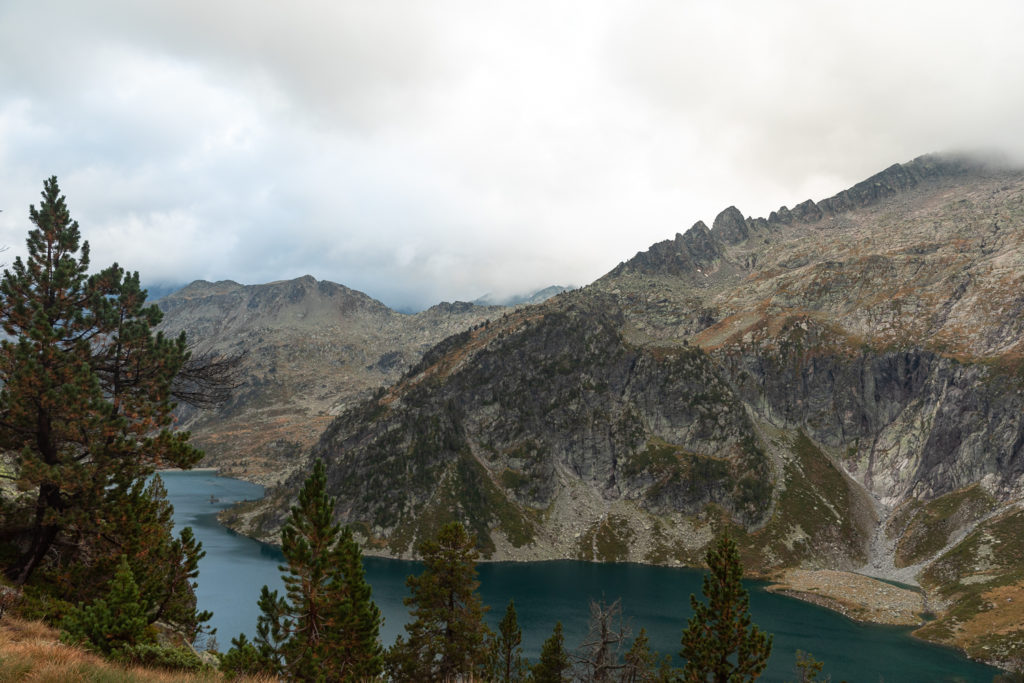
766,274
729,330
478,339
1004,613
994,634
261,462
771,327
32,651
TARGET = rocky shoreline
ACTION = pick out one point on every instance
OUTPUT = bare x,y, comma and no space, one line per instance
858,597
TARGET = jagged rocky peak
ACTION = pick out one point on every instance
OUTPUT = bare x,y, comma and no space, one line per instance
699,243
730,226
892,181
807,212
691,252
700,250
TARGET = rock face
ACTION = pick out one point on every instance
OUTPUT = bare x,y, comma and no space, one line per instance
312,350
829,383
730,227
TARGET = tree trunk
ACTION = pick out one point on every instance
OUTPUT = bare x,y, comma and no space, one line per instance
43,535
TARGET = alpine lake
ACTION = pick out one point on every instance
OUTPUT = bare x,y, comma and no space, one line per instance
655,598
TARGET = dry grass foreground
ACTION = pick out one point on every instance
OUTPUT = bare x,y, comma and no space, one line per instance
858,597
31,651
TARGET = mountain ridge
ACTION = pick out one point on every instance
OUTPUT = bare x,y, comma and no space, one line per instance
309,349
829,388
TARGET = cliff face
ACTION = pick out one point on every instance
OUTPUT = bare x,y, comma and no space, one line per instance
841,384
882,324
311,350
506,425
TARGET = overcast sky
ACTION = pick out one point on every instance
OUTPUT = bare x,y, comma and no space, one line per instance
427,151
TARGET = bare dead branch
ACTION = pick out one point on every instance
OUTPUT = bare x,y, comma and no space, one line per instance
208,379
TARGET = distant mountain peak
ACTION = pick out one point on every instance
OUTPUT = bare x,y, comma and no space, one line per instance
205,288
312,348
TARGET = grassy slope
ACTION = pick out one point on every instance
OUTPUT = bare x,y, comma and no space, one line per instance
982,578
30,650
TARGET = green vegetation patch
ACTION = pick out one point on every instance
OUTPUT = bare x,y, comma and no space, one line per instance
527,451
515,480
484,503
995,548
657,458
699,478
902,516
814,511
686,481
607,540
989,557
662,549
753,492
930,526
466,494
521,477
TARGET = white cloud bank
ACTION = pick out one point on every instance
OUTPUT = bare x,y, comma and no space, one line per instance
427,151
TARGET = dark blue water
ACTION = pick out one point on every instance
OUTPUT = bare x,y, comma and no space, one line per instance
655,598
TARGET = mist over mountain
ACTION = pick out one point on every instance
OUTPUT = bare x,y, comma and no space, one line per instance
534,298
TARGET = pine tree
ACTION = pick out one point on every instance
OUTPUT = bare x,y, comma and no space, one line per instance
447,637
646,666
263,655
307,543
807,667
354,633
112,623
325,627
719,643
85,402
245,659
640,661
554,665
86,409
273,626
139,523
506,646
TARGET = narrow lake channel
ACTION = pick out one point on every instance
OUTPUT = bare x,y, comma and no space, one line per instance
655,598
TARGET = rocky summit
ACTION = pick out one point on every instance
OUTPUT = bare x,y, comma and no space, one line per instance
839,385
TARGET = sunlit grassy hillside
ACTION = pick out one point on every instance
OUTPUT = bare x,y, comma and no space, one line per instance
31,651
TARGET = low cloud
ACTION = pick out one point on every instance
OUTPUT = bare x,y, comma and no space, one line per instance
446,150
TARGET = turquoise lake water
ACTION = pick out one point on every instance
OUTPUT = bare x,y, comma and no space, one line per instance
655,598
